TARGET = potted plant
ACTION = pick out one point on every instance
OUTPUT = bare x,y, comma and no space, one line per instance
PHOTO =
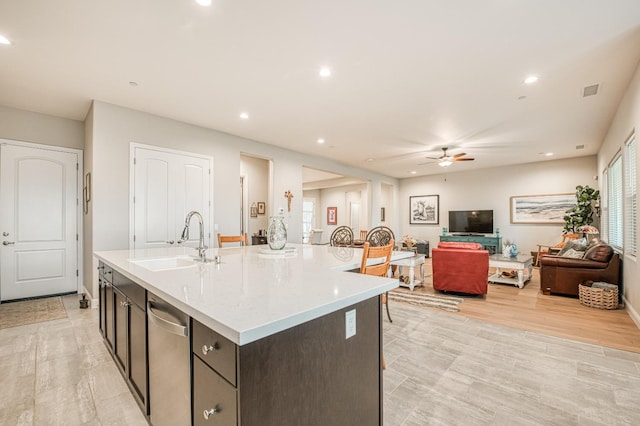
582,213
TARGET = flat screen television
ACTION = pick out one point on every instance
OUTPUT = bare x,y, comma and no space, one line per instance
471,221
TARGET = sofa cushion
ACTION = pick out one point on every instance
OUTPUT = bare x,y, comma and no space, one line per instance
458,246
576,245
573,254
599,253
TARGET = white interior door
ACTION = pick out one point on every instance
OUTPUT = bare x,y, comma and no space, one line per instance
38,221
166,187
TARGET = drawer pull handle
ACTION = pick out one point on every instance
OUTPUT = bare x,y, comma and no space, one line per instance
208,413
206,349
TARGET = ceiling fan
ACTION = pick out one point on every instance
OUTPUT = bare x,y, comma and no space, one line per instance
445,160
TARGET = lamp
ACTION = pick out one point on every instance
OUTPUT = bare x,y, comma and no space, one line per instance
445,163
588,230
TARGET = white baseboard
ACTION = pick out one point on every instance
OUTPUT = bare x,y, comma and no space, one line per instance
94,302
632,312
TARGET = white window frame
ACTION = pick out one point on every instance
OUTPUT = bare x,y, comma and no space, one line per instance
308,224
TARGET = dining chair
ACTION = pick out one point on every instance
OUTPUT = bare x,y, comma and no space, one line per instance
380,236
242,239
342,236
378,270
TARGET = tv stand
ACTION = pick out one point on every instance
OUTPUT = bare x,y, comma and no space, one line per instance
491,243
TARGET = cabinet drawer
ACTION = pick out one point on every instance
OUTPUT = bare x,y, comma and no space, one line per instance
220,352
212,393
133,291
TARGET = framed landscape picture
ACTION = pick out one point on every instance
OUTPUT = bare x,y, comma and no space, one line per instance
543,209
424,210
332,215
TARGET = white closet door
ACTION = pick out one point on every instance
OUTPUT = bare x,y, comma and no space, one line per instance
167,186
38,221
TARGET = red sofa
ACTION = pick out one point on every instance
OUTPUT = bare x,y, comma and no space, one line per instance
460,267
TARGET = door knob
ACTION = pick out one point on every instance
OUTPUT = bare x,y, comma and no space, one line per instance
170,242
7,243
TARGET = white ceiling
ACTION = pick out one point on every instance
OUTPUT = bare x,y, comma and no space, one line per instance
408,76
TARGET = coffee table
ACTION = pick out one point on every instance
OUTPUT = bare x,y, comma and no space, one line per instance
411,262
522,264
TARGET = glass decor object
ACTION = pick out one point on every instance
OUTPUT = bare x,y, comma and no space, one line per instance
276,233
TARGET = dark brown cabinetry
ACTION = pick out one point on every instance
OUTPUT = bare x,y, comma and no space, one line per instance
124,327
309,374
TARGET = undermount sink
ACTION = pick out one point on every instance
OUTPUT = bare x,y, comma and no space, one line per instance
165,263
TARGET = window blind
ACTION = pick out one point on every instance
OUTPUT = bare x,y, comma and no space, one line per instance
614,186
630,205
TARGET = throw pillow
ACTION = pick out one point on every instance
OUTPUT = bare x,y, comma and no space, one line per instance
579,245
574,254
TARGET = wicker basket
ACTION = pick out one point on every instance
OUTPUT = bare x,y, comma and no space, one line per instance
600,298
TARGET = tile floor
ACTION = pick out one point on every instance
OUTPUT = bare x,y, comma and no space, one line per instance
442,370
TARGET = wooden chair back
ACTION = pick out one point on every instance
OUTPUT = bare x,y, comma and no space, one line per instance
242,239
380,236
342,236
371,252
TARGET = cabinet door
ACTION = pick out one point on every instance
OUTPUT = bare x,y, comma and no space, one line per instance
108,315
137,369
120,321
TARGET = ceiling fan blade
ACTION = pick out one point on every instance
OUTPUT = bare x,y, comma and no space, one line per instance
464,159
428,162
462,154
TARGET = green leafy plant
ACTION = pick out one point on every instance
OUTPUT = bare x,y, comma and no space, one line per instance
582,213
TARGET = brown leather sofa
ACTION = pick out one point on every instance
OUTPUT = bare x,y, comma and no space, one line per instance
562,275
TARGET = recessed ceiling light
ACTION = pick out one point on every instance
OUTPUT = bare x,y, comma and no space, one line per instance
244,115
412,172
133,84
368,160
549,154
325,72
204,3
320,141
531,79
520,98
4,40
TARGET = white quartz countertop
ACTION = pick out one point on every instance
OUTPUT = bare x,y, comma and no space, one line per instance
251,295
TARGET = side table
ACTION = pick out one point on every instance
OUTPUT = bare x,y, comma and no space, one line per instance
411,263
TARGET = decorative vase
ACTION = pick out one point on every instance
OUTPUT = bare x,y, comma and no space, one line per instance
510,250
276,233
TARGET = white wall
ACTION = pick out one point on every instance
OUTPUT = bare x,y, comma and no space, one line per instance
33,127
491,190
626,121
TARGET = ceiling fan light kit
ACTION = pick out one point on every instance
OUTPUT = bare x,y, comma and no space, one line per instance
445,160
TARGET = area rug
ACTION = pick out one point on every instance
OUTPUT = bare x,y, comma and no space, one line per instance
14,314
446,303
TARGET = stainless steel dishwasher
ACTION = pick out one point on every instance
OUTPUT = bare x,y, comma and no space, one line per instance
169,364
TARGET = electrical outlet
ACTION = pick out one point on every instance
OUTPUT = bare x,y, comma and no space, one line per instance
350,323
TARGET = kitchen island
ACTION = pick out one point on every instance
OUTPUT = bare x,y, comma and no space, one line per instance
303,336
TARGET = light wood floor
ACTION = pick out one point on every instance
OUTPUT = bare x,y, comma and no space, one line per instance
528,309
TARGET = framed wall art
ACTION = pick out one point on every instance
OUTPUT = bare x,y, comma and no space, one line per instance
541,209
261,207
424,210
254,210
332,215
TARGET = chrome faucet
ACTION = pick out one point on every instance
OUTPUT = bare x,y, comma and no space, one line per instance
185,235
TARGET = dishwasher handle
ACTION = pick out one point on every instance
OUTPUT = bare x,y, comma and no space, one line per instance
171,327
